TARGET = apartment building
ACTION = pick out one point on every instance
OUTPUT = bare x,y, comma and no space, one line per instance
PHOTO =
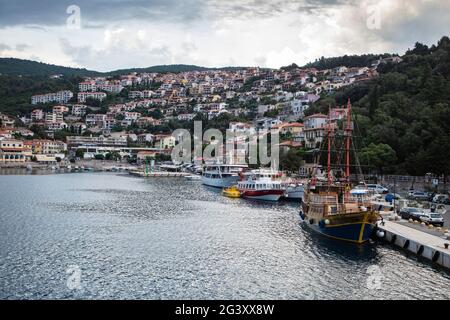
60,97
79,110
83,96
60,109
94,119
12,150
37,115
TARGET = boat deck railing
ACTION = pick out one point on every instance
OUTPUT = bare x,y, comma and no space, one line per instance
321,199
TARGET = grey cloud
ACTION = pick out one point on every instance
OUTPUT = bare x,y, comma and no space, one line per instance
94,13
48,12
428,27
22,46
261,61
4,47
78,54
106,60
35,58
188,46
268,8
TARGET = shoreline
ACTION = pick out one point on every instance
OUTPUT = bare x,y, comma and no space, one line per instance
65,167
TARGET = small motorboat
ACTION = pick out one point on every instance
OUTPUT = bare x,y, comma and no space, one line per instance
193,177
231,192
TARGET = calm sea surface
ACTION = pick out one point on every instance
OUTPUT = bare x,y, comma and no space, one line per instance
105,235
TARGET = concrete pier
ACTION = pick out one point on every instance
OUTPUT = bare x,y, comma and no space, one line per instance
423,244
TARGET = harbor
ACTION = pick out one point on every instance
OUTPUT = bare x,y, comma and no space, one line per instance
225,159
423,240
169,238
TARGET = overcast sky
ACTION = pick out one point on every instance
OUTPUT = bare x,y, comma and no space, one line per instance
117,34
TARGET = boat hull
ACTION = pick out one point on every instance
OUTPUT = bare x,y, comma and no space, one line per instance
193,178
294,194
223,182
356,232
232,192
263,195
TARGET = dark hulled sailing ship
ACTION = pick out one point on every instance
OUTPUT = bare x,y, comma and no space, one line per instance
329,207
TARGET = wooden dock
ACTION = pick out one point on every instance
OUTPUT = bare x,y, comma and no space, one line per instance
423,244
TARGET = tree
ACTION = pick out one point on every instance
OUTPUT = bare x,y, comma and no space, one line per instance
161,157
79,153
379,156
419,49
113,156
440,151
291,161
117,128
373,101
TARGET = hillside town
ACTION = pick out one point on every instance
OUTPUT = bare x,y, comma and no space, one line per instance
131,117
225,157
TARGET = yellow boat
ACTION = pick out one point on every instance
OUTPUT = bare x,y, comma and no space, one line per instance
231,192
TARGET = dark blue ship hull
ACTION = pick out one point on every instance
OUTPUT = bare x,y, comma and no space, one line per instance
357,232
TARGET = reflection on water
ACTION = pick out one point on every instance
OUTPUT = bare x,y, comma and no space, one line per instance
34,171
167,238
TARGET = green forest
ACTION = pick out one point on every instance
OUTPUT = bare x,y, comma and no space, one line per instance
364,60
16,92
14,66
403,116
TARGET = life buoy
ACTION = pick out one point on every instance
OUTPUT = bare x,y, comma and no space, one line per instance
377,233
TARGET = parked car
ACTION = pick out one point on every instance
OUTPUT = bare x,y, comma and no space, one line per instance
441,198
418,195
377,188
432,218
391,196
411,213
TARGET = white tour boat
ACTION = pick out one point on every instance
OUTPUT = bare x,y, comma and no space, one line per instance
221,175
264,189
294,189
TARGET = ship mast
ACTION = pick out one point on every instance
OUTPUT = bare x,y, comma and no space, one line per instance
329,148
348,135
